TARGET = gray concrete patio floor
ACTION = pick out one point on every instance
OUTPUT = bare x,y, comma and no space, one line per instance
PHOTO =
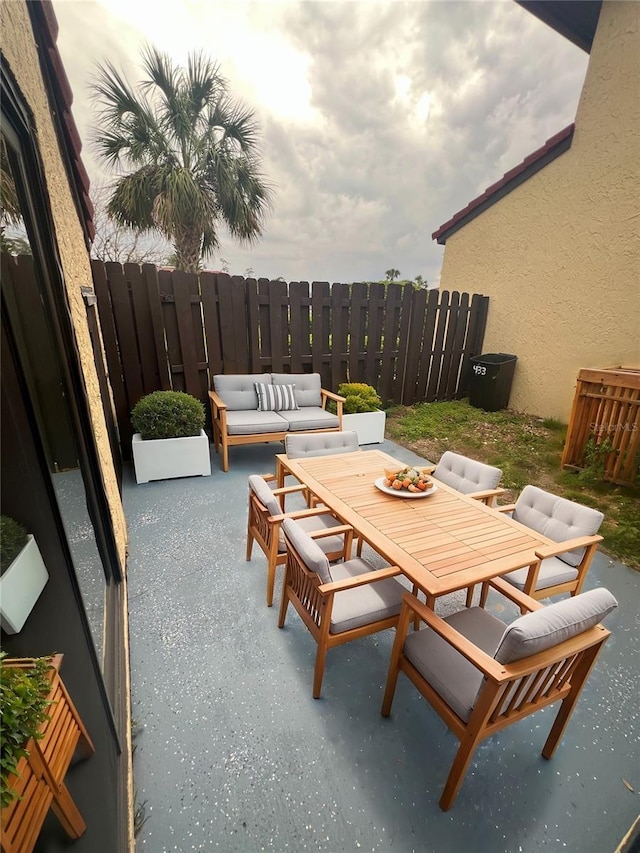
234,754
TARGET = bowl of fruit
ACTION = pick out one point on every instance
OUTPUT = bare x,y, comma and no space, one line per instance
407,482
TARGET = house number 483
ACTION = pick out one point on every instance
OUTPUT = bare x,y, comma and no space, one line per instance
479,370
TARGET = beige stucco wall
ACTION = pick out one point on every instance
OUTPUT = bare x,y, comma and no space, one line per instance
560,255
20,52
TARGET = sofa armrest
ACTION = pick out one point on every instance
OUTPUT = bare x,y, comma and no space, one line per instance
217,400
337,399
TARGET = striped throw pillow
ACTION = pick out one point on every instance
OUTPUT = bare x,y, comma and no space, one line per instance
276,398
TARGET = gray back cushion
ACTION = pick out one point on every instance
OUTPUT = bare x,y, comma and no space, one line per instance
322,444
264,494
540,630
307,386
466,475
310,552
557,518
238,391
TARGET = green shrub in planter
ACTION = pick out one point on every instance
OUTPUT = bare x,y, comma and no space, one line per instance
360,397
13,538
24,703
168,414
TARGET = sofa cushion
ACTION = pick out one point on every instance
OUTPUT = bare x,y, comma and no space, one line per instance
238,391
444,668
276,398
557,518
251,423
540,630
364,604
311,417
308,386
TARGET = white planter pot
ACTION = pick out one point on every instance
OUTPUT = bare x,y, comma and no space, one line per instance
164,458
368,425
20,587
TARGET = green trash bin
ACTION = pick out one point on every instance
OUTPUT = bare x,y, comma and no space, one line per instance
490,380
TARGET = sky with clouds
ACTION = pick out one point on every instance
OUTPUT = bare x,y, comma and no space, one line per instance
379,120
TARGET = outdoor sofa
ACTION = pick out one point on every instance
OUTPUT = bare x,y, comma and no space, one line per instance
247,409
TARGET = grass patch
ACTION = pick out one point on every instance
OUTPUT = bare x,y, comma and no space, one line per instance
529,450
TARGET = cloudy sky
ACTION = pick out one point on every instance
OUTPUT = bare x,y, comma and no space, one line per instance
379,120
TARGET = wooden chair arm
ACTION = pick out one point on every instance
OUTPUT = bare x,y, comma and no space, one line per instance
487,493
514,594
303,513
288,490
268,478
570,545
338,530
481,660
505,508
217,400
359,580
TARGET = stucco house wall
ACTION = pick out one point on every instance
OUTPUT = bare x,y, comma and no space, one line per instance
21,55
559,256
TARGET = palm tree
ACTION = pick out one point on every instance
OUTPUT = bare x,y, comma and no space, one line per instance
186,154
392,274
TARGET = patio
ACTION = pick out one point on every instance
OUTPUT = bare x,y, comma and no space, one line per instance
233,753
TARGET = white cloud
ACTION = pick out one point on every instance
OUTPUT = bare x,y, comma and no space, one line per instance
380,120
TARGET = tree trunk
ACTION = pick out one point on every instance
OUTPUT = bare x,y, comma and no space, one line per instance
188,249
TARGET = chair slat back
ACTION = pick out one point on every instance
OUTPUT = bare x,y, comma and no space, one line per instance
304,585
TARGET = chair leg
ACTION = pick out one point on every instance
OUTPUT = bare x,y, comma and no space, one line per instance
271,580
318,673
457,772
249,543
469,600
284,603
484,592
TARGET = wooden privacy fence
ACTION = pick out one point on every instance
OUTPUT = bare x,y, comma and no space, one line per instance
605,419
167,329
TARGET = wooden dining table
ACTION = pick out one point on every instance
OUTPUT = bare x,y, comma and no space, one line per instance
443,541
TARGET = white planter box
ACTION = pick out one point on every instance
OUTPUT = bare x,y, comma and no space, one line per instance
368,425
164,458
20,587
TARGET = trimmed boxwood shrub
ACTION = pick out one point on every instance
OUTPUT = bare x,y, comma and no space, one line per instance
360,397
13,538
168,414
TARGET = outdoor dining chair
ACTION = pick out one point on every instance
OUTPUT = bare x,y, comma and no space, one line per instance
265,516
339,602
558,568
469,477
481,675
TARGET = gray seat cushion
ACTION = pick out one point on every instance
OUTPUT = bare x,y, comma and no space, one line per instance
251,422
308,386
321,444
552,571
365,604
466,475
310,417
450,674
540,630
238,391
557,518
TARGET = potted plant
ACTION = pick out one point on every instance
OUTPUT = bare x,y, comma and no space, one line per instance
24,691
41,733
362,412
23,574
169,438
